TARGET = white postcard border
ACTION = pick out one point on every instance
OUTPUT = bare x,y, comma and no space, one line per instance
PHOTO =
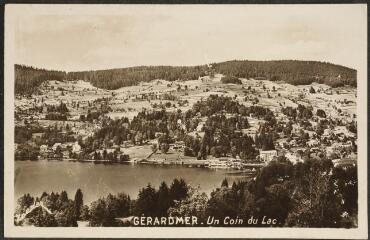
177,232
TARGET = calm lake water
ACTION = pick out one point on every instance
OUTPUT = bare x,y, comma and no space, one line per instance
97,180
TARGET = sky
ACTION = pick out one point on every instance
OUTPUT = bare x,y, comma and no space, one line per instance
76,38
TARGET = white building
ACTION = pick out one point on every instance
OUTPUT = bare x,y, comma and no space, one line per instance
267,156
76,148
200,127
293,158
43,148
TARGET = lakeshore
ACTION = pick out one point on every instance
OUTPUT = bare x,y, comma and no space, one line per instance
223,163
97,180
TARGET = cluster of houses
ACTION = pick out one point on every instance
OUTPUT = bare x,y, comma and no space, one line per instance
291,149
59,151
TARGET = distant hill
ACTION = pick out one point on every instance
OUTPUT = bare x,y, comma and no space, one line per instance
27,79
122,77
290,71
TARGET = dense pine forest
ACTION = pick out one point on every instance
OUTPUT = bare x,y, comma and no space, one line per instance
290,71
122,77
27,79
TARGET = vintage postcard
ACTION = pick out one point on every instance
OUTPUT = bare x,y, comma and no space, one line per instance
202,121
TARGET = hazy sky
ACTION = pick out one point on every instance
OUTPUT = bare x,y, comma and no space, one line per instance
100,37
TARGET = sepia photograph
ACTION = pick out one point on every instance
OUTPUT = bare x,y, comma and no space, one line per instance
185,120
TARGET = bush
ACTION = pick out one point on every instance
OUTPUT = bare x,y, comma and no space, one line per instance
321,113
231,79
312,90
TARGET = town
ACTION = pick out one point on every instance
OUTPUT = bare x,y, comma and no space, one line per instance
214,121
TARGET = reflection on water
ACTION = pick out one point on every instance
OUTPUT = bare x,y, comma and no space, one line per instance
97,180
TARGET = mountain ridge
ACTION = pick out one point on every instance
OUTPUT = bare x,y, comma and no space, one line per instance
296,72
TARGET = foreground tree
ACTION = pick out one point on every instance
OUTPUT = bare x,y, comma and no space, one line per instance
146,202
100,216
178,190
165,147
193,205
78,203
163,200
315,203
67,216
24,202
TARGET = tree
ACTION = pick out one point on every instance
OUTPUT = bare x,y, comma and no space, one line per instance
40,218
188,152
225,183
112,206
163,200
146,202
99,215
85,213
347,182
275,203
231,79
352,127
67,216
62,201
124,205
321,113
312,90
24,202
139,138
193,205
105,153
124,158
165,147
58,150
222,203
78,203
315,203
178,189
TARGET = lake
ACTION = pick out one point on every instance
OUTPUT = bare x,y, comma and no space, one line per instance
97,180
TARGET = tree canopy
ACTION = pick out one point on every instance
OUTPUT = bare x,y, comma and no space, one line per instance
27,79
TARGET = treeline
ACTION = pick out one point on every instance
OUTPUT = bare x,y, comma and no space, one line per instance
220,143
231,79
291,71
150,202
104,211
309,194
215,104
122,77
301,112
27,79
65,211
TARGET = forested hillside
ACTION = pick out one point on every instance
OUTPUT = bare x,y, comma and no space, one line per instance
290,71
27,79
122,77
